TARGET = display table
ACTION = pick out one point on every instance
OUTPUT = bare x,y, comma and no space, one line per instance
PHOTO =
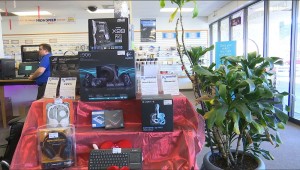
2,93
161,150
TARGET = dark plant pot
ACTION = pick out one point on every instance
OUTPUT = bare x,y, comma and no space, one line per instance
207,165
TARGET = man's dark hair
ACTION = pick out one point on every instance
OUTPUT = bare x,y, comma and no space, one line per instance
46,47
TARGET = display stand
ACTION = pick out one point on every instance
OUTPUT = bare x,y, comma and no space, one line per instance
167,150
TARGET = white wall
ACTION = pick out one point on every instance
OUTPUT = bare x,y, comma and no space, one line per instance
227,9
81,25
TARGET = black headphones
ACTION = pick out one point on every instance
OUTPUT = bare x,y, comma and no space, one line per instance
57,143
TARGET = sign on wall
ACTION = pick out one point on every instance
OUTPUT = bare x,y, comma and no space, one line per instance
46,20
224,48
148,30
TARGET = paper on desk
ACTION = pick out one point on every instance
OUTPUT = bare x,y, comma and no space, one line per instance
50,91
67,88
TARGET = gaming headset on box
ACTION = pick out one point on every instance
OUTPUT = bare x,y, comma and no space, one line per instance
57,143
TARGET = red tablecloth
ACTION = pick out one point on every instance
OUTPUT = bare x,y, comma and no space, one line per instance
161,150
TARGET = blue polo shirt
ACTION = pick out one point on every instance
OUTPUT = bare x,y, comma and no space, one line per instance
45,62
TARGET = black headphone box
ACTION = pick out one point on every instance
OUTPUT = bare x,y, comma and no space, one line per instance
56,147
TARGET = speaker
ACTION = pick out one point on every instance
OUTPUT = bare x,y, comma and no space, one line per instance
57,144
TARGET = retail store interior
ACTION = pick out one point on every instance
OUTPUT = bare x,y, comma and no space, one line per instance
271,28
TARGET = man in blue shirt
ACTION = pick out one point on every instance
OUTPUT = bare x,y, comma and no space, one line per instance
43,72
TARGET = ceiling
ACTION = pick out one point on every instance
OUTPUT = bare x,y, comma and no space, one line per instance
141,9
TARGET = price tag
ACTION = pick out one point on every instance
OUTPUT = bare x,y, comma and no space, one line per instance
53,135
116,150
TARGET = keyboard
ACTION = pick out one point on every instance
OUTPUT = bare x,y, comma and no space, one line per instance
104,158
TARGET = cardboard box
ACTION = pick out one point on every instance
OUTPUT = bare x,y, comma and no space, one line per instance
157,113
107,75
108,33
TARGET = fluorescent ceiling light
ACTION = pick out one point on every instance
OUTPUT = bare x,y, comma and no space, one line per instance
31,13
173,9
102,11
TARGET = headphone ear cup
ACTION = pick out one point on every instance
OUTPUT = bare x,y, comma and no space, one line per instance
48,151
64,122
53,122
67,150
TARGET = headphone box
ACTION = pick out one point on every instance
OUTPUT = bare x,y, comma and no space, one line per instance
56,147
108,33
107,75
57,113
98,119
157,113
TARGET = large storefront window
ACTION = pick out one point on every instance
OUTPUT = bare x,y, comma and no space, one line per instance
297,78
225,29
256,28
238,31
279,41
214,38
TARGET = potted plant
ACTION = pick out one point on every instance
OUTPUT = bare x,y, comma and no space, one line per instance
241,112
236,101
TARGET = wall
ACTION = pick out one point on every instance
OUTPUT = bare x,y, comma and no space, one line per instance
227,9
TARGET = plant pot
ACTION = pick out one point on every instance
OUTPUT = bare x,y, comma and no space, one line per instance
207,165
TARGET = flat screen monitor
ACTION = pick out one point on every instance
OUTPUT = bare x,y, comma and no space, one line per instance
27,68
30,53
65,66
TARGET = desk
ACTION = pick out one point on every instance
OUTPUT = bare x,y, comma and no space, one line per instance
2,95
161,150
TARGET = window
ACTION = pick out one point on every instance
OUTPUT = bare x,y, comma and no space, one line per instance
279,41
255,28
238,32
225,29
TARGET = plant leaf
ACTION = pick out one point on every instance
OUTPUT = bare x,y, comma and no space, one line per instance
258,127
173,15
162,3
223,91
195,11
236,119
281,115
202,71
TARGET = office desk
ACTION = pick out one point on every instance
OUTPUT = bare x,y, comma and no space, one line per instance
2,93
161,150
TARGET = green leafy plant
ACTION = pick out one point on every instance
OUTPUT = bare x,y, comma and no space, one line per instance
195,54
237,99
242,108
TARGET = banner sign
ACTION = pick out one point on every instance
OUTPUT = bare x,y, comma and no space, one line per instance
46,20
224,48
148,30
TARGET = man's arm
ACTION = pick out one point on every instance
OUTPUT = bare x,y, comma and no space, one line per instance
37,73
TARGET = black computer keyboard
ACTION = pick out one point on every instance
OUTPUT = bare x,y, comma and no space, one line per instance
104,158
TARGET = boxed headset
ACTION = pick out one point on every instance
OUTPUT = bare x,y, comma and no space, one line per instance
58,113
56,147
157,113
108,33
107,75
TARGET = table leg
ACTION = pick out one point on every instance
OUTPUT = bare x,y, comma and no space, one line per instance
3,111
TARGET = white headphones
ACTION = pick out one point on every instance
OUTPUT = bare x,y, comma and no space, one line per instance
58,114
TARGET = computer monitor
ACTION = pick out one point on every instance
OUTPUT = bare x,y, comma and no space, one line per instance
65,66
7,68
30,53
27,68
